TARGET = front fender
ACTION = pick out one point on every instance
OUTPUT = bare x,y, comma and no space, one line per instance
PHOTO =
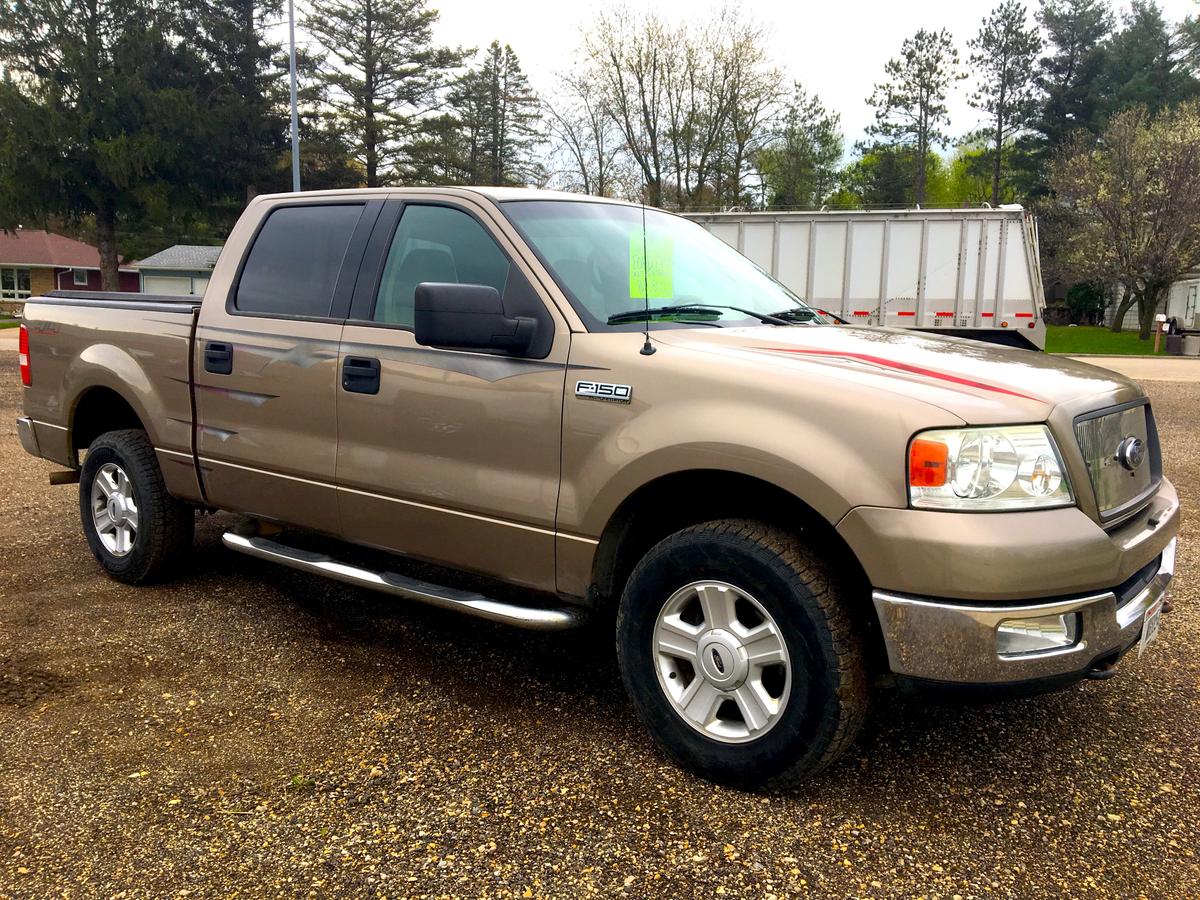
830,469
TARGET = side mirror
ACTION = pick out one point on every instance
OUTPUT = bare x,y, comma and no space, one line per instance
468,317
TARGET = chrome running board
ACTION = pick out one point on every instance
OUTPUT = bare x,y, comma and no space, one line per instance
467,602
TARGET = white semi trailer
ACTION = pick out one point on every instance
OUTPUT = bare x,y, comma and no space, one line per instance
968,272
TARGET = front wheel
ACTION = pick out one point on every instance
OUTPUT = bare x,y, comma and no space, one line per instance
738,652
136,530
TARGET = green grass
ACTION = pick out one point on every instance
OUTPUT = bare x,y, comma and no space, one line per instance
9,323
1088,339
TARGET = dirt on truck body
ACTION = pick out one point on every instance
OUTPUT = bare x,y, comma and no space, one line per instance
607,413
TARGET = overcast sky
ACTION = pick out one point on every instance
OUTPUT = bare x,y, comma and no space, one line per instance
835,48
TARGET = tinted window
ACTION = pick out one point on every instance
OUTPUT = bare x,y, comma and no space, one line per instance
294,263
436,243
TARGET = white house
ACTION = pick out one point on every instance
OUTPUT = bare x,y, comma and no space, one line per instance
1183,300
181,270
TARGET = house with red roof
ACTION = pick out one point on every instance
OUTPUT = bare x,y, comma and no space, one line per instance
33,262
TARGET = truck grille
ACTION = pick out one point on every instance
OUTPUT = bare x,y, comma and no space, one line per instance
1107,440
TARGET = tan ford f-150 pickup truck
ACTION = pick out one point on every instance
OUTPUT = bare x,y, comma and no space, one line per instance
606,406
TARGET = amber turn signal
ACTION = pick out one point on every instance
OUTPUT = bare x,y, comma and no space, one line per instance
927,462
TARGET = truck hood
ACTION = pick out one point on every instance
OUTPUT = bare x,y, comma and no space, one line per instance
978,382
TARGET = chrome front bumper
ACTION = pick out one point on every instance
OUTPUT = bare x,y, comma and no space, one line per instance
28,436
940,641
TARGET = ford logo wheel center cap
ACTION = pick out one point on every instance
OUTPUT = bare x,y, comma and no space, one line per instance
723,658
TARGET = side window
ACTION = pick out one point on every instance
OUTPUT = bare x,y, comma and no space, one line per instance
294,263
435,243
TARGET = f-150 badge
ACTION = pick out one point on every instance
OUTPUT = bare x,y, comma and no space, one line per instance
599,390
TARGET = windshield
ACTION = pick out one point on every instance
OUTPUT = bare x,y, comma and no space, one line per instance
611,271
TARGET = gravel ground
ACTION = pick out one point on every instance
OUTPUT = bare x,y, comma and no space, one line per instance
248,731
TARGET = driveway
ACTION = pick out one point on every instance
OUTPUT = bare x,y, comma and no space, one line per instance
251,731
1150,368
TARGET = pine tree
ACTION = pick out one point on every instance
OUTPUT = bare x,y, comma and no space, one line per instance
384,75
800,167
1068,77
1145,63
910,108
327,159
106,116
248,109
1003,55
882,176
500,121
437,154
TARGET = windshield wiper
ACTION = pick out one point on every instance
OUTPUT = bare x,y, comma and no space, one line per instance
796,314
638,315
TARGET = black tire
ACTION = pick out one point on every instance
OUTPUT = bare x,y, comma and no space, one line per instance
165,526
829,689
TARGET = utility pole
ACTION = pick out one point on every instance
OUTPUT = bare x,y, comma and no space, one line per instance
295,115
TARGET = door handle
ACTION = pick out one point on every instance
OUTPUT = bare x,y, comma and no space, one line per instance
360,375
218,358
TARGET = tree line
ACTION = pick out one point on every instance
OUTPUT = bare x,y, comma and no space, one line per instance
144,120
140,122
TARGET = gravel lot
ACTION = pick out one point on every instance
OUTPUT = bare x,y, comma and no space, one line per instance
249,731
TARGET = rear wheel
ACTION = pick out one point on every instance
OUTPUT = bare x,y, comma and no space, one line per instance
136,530
739,654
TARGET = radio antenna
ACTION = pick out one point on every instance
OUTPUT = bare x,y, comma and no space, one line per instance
647,347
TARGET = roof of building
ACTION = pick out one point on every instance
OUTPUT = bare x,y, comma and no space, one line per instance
33,247
190,257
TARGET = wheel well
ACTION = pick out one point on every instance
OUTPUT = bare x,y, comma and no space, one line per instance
99,410
674,502
680,500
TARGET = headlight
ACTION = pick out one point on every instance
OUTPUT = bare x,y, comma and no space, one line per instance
1010,467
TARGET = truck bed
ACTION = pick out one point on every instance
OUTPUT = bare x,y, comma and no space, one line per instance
119,299
84,344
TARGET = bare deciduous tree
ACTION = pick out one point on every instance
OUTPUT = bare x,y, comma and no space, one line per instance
1134,205
583,131
756,97
691,104
630,56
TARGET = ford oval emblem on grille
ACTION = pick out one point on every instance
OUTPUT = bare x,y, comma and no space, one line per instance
1131,452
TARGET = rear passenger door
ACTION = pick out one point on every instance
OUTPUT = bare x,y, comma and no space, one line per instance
450,456
265,364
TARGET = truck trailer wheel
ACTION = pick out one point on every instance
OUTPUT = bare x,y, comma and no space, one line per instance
740,656
137,531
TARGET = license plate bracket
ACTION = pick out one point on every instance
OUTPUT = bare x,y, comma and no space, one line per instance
1150,622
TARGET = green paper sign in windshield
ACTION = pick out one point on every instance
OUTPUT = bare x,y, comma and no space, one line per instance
650,280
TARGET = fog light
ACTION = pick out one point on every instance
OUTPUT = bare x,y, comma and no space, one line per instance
1038,634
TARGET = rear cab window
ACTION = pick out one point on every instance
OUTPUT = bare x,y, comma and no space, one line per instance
293,265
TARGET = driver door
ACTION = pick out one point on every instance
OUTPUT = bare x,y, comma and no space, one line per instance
445,455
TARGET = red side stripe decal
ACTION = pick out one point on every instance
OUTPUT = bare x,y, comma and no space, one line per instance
904,367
